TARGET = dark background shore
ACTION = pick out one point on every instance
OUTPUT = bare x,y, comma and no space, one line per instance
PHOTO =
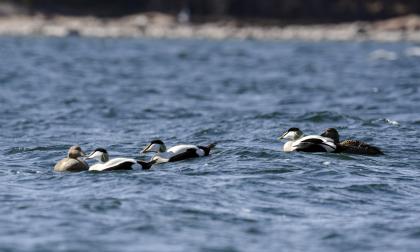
306,11
380,20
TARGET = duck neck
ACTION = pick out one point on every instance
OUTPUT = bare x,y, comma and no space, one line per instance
162,148
104,158
297,137
72,155
336,139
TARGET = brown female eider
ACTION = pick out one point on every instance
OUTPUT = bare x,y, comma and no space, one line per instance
72,163
351,146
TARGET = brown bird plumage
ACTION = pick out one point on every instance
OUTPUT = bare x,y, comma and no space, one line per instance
351,146
72,163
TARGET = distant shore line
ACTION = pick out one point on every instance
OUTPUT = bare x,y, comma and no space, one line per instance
156,25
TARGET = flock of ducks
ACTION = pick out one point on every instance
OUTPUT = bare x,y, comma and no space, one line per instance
76,158
328,141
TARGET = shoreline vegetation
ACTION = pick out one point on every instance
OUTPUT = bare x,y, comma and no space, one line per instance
159,25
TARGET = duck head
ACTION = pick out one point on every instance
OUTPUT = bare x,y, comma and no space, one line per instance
99,154
75,152
292,134
331,133
155,146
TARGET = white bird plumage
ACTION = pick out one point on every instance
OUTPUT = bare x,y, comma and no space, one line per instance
105,164
163,157
175,153
312,143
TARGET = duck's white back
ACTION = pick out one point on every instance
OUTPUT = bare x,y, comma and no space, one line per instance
178,149
327,143
111,163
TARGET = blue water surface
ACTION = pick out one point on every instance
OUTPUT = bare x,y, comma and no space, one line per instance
248,195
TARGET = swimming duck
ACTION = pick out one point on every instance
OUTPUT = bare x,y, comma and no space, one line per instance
175,153
351,146
105,164
72,163
311,143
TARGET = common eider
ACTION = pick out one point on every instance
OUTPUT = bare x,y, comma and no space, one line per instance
312,143
175,153
351,146
72,163
105,164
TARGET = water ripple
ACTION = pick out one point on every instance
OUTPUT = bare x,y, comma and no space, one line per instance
247,195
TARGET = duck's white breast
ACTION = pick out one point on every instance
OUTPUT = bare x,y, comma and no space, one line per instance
288,146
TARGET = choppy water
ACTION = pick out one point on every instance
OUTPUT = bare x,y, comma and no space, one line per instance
248,195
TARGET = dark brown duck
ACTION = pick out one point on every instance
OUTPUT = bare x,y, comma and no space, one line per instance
351,146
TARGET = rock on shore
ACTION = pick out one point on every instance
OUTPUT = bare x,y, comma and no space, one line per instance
165,26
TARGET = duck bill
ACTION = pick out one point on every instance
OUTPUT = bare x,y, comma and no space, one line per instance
93,155
90,156
282,136
323,134
147,149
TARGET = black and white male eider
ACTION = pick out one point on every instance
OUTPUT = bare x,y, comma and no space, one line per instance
312,143
351,146
105,164
175,153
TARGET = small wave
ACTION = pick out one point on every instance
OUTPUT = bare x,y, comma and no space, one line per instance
270,171
371,188
16,150
384,55
200,173
271,115
208,131
332,235
344,156
183,55
102,205
142,228
182,113
415,233
72,100
324,116
412,52
381,121
250,154
219,249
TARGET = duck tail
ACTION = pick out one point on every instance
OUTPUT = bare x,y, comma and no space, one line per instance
373,150
211,146
146,165
207,148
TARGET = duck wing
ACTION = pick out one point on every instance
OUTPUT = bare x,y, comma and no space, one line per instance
179,149
188,153
359,147
71,165
314,143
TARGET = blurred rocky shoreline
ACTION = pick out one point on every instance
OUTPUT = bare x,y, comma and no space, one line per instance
157,25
